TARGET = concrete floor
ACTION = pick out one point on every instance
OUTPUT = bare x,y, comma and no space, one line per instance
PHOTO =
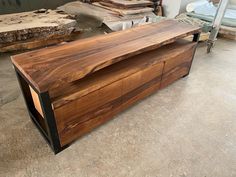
185,130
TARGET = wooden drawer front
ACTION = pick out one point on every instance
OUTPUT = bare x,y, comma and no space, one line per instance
83,115
177,67
79,111
141,84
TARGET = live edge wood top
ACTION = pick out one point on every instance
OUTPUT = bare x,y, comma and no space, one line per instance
50,67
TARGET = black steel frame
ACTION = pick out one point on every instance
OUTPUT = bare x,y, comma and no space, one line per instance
196,38
47,125
155,4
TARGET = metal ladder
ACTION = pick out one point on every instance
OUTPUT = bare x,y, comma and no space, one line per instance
216,24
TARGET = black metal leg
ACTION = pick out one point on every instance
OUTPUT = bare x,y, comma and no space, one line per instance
51,123
155,4
47,125
195,39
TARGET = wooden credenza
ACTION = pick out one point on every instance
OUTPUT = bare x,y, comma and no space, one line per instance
73,88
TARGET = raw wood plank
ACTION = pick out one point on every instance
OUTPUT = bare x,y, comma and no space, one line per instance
37,43
128,4
51,67
227,32
79,8
22,27
125,11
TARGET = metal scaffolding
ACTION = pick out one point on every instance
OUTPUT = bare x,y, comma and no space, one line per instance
217,23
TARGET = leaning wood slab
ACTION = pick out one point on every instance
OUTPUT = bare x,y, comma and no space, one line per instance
73,88
227,32
124,11
29,30
128,4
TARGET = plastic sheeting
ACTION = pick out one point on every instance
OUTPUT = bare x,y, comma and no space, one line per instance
210,10
184,18
192,6
205,10
225,21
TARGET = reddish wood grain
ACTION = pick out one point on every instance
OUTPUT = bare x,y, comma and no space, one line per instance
51,67
94,100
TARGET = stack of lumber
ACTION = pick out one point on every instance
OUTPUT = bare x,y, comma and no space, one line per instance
126,7
205,26
114,20
227,32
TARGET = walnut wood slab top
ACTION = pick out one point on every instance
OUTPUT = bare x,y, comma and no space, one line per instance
50,67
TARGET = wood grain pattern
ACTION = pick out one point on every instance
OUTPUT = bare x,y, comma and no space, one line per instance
93,119
88,82
115,88
75,90
177,67
50,68
108,100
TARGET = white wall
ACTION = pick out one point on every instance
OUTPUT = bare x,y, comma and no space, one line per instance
175,7
233,2
184,4
171,7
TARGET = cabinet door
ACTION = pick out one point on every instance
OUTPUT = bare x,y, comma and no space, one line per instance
81,116
86,113
177,67
141,84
